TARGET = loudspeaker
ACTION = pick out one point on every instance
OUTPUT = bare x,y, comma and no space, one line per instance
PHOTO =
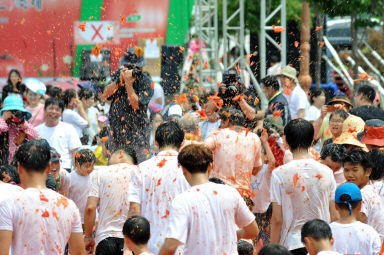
93,68
171,58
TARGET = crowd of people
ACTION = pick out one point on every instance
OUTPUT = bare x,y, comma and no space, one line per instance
126,169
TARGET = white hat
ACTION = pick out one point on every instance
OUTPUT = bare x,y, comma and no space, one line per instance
35,86
175,110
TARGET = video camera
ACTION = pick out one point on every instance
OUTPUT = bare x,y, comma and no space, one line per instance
233,86
136,72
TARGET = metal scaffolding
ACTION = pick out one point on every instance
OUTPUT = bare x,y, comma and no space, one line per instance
264,36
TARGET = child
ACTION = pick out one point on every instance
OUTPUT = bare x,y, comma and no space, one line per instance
274,249
244,248
352,236
136,232
79,180
357,169
317,237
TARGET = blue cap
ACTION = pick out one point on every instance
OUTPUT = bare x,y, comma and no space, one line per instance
347,193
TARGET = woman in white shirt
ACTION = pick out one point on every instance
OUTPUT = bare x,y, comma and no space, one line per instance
317,100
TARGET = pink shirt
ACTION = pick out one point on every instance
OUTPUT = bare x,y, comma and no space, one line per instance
235,154
38,116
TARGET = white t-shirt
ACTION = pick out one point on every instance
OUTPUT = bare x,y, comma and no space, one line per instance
63,138
297,101
41,220
155,184
304,189
204,219
328,253
6,190
93,128
110,184
379,188
355,238
373,209
158,92
261,190
65,182
313,113
73,118
79,187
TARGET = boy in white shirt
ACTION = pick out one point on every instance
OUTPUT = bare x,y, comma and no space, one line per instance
352,236
204,218
317,237
136,232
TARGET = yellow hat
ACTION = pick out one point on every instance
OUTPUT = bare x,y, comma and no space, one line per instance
351,127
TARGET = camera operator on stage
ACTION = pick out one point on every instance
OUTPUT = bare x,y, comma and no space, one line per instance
129,92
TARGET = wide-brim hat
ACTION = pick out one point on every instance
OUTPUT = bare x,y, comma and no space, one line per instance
134,56
35,85
289,72
14,103
336,100
373,133
351,127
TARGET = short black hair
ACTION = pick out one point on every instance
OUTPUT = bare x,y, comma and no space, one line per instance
274,249
68,95
34,155
317,229
335,151
195,158
342,113
315,92
376,158
357,156
367,91
169,133
54,101
235,116
53,91
137,229
244,248
299,134
85,156
86,93
270,81
8,174
216,180
129,152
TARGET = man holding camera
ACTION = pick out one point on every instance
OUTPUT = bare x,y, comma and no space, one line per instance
130,92
14,128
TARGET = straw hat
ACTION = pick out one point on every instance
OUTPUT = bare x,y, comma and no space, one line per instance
289,72
351,127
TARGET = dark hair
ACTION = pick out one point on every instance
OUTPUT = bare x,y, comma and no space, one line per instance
8,174
270,81
85,156
275,59
216,180
169,133
34,155
244,248
376,157
9,78
137,228
357,156
345,206
315,92
328,141
317,229
335,151
236,117
195,158
68,95
86,93
191,100
299,134
54,101
367,91
274,249
153,116
129,152
343,114
53,92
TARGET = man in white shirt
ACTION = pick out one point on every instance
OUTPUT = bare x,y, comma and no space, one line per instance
208,218
157,181
301,190
61,136
38,220
109,189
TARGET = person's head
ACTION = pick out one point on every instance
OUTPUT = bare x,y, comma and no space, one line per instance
69,98
53,108
156,119
244,248
211,111
87,96
195,159
332,155
13,107
55,162
317,97
169,135
274,249
33,158
316,235
85,162
14,77
136,231
288,77
336,120
299,134
348,199
365,95
189,104
274,60
33,98
376,158
270,85
231,117
124,154
8,174
190,124
357,167
342,102
53,92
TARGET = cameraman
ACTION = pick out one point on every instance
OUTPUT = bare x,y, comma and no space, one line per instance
14,128
129,92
